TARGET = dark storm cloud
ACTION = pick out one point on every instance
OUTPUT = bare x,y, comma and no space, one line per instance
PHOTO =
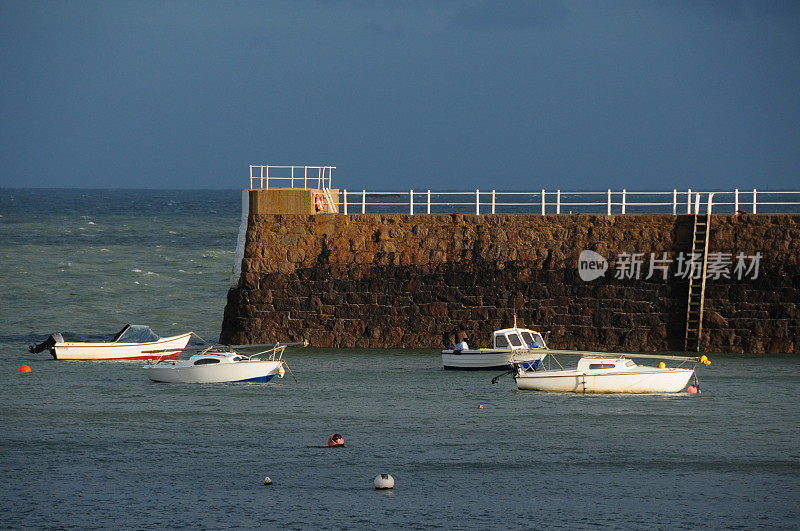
512,14
734,9
424,94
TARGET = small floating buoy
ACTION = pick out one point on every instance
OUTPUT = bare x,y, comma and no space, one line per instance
335,440
281,371
480,406
267,481
692,390
383,481
662,365
24,368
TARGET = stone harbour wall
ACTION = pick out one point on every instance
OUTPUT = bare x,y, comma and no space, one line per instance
382,281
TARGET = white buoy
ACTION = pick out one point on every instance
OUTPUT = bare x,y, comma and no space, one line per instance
267,481
384,481
281,371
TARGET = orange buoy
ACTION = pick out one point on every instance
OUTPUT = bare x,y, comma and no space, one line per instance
318,205
24,368
692,390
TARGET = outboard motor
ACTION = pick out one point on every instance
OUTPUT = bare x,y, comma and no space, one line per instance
47,344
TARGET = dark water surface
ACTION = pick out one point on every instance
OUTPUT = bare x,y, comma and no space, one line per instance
97,445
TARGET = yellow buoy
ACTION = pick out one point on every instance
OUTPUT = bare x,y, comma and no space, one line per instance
662,365
480,406
281,370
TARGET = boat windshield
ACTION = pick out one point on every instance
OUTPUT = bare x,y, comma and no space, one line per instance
532,340
514,339
138,334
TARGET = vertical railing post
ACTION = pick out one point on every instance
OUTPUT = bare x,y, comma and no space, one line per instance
674,202
478,202
305,178
429,201
755,202
262,177
492,201
558,201
411,201
697,204
689,201
345,201
623,199
543,201
363,201
735,200
608,202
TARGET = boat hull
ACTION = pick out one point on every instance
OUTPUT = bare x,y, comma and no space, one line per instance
241,371
165,348
646,381
487,359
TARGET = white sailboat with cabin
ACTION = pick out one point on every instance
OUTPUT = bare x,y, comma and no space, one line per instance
605,372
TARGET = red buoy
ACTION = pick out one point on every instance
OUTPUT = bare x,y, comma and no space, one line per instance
24,368
335,440
692,390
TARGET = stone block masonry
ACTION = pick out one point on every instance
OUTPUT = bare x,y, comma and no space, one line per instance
382,281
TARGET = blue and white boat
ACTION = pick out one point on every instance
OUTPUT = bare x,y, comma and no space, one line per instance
510,347
214,366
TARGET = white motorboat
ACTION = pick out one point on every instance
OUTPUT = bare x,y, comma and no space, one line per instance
599,372
510,346
214,366
133,342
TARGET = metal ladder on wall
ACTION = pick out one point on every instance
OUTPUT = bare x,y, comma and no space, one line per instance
324,183
697,286
330,205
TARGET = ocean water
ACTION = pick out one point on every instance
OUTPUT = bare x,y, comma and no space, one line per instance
98,445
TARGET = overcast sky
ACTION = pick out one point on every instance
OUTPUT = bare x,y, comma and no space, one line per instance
446,95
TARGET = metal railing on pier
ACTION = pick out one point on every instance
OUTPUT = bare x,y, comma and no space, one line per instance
566,202
533,202
264,176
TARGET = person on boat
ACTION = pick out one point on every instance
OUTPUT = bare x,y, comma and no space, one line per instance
335,440
463,344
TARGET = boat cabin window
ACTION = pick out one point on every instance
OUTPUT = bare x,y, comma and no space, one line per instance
206,361
601,366
515,340
629,363
532,340
500,341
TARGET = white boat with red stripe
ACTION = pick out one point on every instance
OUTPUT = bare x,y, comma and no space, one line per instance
133,342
